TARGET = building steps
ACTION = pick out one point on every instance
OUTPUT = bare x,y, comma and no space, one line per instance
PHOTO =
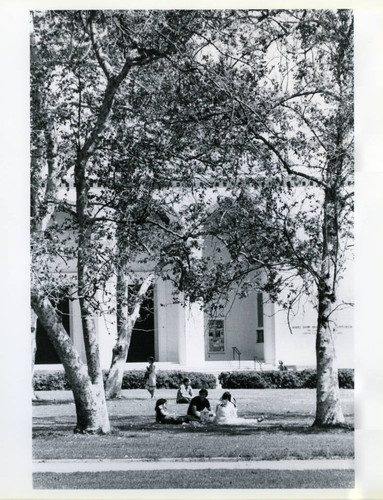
213,367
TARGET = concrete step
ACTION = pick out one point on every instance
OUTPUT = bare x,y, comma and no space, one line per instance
214,367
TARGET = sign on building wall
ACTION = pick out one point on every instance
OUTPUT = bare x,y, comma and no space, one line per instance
216,335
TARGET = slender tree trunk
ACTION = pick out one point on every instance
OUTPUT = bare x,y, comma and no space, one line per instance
91,414
125,325
33,347
328,406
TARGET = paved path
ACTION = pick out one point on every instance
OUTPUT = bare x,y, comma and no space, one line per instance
181,464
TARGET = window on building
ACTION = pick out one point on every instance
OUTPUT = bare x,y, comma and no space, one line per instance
260,337
260,331
216,335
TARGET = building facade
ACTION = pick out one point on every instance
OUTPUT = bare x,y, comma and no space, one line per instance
252,330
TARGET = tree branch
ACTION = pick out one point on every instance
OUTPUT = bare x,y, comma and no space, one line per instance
101,58
285,164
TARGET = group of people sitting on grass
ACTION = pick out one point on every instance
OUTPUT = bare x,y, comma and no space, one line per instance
199,409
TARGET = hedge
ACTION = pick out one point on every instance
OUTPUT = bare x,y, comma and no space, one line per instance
304,379
135,379
50,381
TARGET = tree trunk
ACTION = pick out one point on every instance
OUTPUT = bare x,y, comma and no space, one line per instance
33,347
91,350
328,407
125,325
83,273
92,416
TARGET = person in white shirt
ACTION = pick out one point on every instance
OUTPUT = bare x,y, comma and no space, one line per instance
185,392
226,412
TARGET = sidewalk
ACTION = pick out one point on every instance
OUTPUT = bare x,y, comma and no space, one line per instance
68,466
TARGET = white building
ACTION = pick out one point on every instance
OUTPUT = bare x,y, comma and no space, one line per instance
250,333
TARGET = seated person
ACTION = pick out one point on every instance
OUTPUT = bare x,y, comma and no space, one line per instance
226,413
185,392
164,417
198,404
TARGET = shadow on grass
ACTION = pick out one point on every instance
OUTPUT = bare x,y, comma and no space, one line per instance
129,424
48,402
293,423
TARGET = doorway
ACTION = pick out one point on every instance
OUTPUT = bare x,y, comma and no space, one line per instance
45,352
142,340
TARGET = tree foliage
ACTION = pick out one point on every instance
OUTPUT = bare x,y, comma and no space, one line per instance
215,148
268,116
85,68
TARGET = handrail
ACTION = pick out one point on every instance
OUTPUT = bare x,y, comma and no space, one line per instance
259,361
237,351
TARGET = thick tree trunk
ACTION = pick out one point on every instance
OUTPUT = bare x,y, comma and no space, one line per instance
87,313
93,359
92,416
91,346
125,325
328,407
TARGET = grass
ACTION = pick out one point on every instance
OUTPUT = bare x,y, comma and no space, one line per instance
198,479
286,432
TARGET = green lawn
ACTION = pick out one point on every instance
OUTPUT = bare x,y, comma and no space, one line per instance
197,479
286,432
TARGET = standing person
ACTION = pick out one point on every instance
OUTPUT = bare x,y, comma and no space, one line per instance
150,376
198,404
185,392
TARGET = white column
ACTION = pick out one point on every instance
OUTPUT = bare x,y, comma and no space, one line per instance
76,328
269,332
191,337
160,307
106,324
182,343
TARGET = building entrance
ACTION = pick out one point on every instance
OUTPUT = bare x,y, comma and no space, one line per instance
142,341
45,352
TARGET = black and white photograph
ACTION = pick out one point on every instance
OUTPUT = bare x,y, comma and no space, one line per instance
191,291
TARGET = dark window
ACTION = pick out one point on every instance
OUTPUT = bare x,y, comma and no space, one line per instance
260,338
216,335
260,334
260,309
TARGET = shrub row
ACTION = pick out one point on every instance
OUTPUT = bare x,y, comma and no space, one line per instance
304,379
169,379
50,381
57,380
